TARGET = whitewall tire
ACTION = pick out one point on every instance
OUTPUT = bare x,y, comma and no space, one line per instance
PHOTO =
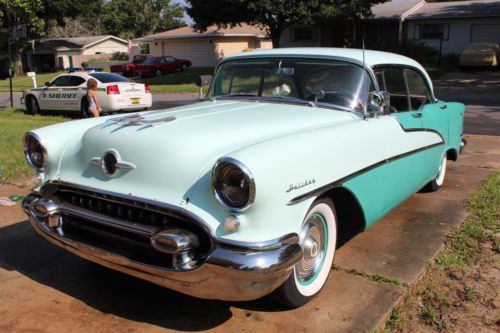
318,240
437,182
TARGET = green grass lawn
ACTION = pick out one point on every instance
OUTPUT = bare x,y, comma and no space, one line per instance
21,83
177,82
13,124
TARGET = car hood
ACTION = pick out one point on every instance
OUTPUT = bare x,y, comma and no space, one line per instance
171,149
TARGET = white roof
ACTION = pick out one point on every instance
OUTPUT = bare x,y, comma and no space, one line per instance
372,58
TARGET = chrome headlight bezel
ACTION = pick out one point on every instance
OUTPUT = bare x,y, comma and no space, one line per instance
27,153
225,162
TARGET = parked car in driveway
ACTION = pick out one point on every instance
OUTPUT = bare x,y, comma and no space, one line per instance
250,191
480,55
162,65
128,69
67,92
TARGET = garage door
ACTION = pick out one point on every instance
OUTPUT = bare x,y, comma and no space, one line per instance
485,33
201,53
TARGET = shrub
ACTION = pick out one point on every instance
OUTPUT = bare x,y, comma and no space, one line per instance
119,56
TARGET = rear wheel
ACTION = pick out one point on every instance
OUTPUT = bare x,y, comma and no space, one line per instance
84,108
158,72
184,68
318,239
32,105
437,182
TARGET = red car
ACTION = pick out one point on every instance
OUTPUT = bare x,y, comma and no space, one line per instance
129,68
161,65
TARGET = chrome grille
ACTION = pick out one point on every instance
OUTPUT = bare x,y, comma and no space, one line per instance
142,214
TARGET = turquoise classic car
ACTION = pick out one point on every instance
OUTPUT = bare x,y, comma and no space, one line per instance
249,192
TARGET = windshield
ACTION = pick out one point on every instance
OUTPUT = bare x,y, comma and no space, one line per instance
109,77
320,81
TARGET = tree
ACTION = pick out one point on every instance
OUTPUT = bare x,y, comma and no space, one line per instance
135,18
274,15
34,15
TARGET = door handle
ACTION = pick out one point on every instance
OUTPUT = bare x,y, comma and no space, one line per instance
416,115
443,106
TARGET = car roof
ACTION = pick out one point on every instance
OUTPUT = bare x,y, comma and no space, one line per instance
372,58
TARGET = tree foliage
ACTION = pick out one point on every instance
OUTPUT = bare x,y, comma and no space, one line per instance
136,18
274,15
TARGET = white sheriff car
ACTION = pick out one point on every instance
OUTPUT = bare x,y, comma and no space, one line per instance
67,92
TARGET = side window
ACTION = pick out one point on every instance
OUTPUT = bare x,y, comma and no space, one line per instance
163,61
61,81
170,59
394,82
76,81
419,92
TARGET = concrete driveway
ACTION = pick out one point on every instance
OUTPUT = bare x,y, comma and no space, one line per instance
45,289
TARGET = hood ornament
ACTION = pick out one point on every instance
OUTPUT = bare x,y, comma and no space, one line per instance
111,162
139,120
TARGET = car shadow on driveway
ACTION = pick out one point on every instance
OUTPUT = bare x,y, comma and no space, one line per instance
109,291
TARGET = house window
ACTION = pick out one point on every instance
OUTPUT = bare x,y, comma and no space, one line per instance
300,34
432,31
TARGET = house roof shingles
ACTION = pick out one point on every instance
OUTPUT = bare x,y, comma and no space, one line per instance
190,32
457,9
74,42
393,10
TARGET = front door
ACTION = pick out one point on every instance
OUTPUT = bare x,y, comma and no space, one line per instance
406,173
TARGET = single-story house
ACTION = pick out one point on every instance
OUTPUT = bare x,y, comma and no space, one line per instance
449,26
452,26
203,49
48,54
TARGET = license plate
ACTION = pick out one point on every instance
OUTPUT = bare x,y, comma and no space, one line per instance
135,100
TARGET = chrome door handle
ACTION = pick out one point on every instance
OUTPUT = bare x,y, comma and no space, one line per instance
416,115
443,106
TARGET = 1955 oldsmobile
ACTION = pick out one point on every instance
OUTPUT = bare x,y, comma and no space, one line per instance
250,191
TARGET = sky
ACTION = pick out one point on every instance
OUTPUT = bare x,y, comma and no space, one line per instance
187,18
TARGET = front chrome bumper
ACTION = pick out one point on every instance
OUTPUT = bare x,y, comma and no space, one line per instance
230,271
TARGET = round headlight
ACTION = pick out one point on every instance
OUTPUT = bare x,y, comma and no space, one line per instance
34,151
233,184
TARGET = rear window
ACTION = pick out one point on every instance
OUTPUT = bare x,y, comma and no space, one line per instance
109,77
150,60
139,59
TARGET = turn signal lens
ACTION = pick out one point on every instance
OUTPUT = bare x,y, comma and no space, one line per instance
34,151
112,90
147,88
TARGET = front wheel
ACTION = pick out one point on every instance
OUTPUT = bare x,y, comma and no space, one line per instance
318,240
32,105
158,72
437,182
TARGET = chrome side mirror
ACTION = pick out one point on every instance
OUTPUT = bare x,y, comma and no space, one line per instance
378,101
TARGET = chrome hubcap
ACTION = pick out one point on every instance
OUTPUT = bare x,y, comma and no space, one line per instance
314,240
